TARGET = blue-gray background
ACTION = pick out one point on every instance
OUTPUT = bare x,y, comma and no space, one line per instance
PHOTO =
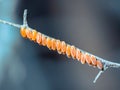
93,26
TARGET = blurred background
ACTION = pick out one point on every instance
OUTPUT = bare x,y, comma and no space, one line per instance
93,26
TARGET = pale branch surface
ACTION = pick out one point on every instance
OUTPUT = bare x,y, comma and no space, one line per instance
11,24
107,64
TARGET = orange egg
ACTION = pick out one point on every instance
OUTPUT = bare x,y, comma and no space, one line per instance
39,38
73,52
63,47
53,42
99,64
93,60
44,40
49,43
87,57
78,54
68,51
23,32
34,34
29,34
58,46
83,58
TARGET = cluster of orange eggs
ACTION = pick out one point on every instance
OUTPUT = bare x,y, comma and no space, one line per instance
61,47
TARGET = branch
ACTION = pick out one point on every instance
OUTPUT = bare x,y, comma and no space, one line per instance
106,64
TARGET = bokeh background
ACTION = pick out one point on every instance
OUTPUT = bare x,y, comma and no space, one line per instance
91,25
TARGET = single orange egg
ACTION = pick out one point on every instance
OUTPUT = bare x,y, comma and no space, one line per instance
23,32
83,58
87,57
49,43
53,41
39,38
68,52
29,34
93,60
73,52
58,46
44,40
78,54
34,34
63,47
99,64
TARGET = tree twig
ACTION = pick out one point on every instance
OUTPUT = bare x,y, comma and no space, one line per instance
107,64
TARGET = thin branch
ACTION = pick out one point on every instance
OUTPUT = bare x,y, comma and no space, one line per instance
25,24
100,72
11,24
98,75
107,64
